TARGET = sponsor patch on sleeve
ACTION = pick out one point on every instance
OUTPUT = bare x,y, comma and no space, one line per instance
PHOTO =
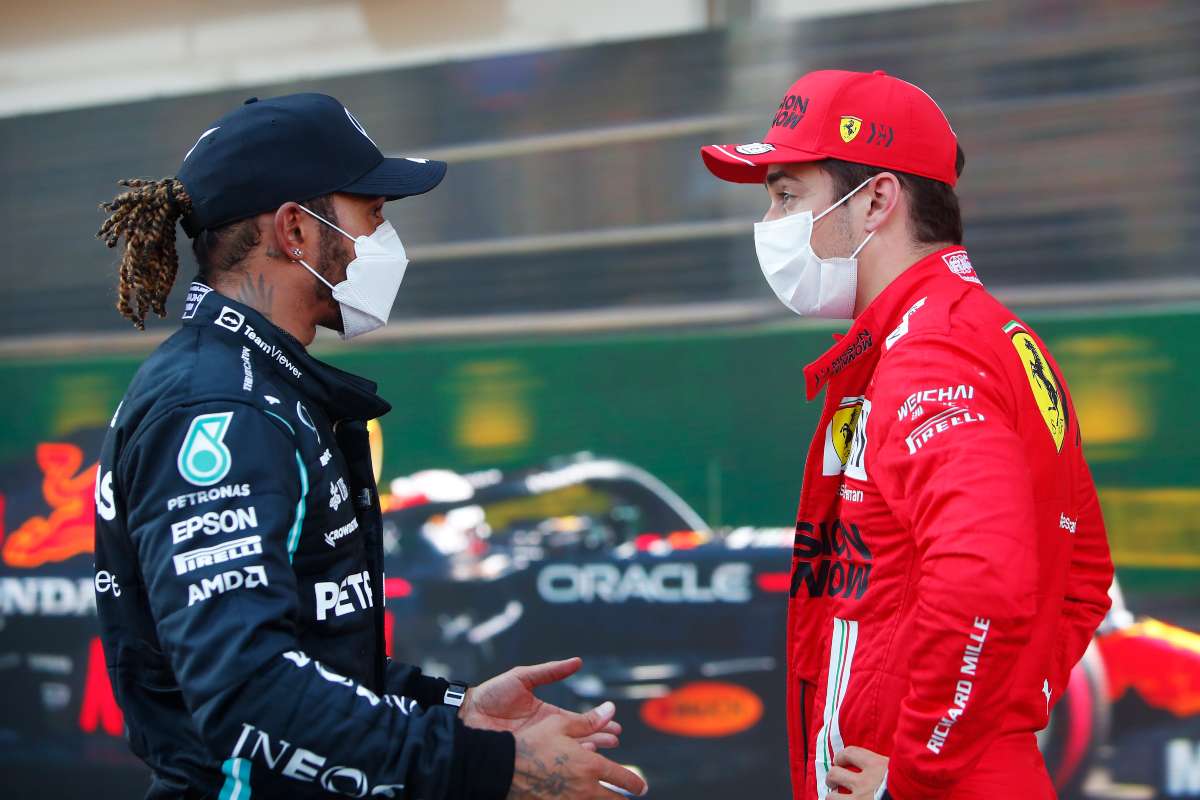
914,405
193,560
937,424
936,411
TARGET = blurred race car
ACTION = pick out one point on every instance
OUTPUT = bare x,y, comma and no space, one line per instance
681,625
595,557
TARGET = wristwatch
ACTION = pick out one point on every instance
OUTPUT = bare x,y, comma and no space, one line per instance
456,693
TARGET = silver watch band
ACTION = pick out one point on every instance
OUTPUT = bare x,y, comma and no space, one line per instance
456,693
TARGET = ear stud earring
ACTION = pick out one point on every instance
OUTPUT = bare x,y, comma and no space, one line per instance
296,252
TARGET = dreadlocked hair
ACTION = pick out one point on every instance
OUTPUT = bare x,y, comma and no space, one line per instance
145,216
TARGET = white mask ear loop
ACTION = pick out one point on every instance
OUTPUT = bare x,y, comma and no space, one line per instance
823,213
858,249
316,274
348,236
304,263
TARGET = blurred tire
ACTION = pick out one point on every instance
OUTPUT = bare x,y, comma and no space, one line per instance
1078,726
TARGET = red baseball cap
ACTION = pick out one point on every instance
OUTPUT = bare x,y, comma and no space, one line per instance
866,118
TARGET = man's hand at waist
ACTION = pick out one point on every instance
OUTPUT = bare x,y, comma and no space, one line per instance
860,772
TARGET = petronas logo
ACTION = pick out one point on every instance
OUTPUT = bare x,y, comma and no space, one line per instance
204,459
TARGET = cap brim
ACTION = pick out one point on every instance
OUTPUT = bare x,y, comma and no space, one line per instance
724,161
399,177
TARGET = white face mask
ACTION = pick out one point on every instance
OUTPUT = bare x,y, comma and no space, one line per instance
809,285
372,279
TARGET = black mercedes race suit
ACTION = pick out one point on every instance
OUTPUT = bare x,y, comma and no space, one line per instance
239,561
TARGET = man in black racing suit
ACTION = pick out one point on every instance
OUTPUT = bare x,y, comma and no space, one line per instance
239,553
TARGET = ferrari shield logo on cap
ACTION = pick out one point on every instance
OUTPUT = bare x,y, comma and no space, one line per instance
849,128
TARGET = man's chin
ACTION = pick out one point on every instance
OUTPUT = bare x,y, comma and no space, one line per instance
333,321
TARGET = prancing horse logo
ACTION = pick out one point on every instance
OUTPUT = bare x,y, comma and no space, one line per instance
1046,387
849,128
1038,369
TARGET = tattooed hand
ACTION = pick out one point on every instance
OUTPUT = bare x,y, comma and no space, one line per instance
507,702
553,763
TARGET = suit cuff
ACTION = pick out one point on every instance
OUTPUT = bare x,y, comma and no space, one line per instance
482,765
427,691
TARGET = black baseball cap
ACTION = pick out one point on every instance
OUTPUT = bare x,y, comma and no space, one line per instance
291,148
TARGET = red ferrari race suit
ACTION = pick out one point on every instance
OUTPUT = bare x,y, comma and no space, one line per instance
950,562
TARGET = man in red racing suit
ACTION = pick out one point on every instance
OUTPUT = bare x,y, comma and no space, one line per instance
950,562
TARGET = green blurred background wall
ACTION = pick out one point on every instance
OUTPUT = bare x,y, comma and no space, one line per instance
719,415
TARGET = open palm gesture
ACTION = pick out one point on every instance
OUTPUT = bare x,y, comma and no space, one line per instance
507,702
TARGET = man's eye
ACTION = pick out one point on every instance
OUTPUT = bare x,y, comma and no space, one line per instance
786,197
